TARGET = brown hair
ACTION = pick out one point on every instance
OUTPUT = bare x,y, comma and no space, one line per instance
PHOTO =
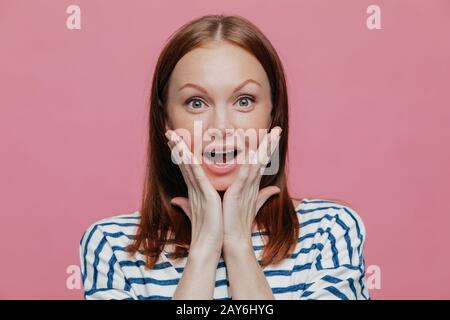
163,178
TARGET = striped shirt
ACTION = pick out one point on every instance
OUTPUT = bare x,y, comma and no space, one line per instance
327,263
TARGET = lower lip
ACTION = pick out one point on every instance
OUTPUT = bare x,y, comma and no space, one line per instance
219,168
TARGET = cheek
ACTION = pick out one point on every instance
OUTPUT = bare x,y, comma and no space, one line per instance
258,118
178,118
258,122
183,124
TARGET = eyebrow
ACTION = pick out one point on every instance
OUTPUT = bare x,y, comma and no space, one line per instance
206,92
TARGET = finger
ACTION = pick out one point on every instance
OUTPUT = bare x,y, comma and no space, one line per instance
182,203
272,138
185,174
191,164
198,171
177,156
262,148
264,194
175,143
274,142
263,154
244,170
181,147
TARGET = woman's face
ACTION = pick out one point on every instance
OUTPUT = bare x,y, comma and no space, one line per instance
219,88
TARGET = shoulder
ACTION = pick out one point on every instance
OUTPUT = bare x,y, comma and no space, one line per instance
334,227
120,228
102,250
327,213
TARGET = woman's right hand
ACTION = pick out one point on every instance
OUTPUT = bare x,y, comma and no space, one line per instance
203,205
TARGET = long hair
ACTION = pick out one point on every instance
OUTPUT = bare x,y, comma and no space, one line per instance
161,222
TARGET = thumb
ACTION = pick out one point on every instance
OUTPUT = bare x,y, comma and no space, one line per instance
182,203
264,194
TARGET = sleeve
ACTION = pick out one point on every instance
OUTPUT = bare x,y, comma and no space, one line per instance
103,279
338,270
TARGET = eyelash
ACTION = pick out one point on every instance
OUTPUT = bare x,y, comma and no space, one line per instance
252,99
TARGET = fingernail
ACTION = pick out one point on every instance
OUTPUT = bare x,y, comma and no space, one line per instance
277,130
174,137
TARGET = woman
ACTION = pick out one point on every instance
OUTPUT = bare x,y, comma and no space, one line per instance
216,219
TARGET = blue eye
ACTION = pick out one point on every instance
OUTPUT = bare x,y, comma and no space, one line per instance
196,105
246,98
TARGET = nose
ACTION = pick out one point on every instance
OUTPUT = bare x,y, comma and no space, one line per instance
221,125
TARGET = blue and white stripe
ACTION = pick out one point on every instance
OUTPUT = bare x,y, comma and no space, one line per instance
327,263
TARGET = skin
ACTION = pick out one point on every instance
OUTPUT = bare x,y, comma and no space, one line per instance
221,208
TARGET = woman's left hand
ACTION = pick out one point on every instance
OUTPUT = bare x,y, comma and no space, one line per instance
243,199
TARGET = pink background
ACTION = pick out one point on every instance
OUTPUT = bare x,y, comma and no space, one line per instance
370,112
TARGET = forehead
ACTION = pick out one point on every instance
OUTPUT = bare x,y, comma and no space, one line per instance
218,64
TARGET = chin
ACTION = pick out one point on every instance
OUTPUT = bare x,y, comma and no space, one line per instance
221,186
222,182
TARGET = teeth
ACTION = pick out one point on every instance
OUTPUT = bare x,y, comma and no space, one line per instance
219,153
221,156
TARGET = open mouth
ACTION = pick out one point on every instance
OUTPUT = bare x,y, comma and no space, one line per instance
221,157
